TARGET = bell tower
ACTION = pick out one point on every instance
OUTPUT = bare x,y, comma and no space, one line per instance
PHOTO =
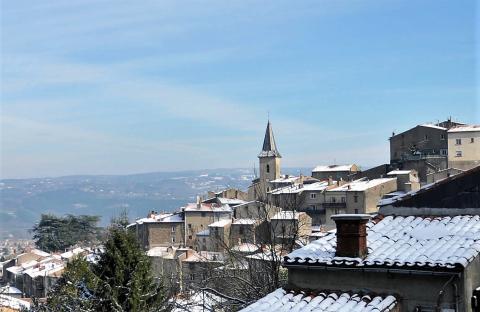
269,158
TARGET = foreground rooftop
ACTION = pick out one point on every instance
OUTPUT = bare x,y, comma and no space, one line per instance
283,300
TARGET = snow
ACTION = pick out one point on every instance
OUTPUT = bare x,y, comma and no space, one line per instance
10,290
285,215
298,188
433,126
283,300
157,251
465,128
204,233
13,303
285,179
404,241
361,185
245,221
333,168
399,172
246,247
200,301
220,223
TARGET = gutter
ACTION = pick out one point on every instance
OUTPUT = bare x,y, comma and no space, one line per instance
375,270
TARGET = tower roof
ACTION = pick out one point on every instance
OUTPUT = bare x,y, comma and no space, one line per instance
269,148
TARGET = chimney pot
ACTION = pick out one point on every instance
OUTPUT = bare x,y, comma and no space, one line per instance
351,235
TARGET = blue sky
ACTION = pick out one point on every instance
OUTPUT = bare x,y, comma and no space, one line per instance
113,87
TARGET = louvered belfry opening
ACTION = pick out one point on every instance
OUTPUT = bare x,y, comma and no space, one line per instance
351,235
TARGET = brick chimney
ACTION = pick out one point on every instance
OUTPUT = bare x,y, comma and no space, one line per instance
351,235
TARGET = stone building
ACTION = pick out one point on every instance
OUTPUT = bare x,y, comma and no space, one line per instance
335,172
199,216
160,230
407,263
269,166
464,147
357,197
290,225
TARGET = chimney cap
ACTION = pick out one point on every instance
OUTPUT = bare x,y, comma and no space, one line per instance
351,217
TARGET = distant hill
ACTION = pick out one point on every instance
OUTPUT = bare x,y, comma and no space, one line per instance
23,200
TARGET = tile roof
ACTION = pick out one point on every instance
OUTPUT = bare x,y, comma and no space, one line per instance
283,300
333,168
444,242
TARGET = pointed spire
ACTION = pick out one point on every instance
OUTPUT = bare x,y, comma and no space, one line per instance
269,148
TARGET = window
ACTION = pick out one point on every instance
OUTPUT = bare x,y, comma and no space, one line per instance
189,236
443,152
343,199
173,229
472,140
442,136
458,154
241,230
355,199
204,240
268,168
173,239
189,225
192,277
333,200
313,195
356,211
426,137
458,141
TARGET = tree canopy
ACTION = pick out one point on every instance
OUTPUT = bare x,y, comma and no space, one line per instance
56,233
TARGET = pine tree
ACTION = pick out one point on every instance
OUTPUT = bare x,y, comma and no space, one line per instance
75,291
126,281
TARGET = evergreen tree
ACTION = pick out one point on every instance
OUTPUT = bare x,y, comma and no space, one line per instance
55,233
126,281
75,290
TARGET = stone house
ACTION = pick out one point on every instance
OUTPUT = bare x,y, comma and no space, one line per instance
288,225
464,147
357,197
160,230
388,263
219,235
335,172
199,216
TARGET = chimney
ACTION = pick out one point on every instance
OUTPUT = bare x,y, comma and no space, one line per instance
351,235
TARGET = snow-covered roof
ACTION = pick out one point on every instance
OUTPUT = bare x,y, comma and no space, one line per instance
399,172
285,179
333,168
465,128
71,253
246,247
244,221
286,215
13,303
161,217
283,300
404,241
230,201
220,223
49,269
298,188
157,251
208,208
9,290
203,233
432,126
361,185
39,252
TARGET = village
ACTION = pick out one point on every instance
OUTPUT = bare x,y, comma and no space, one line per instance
402,236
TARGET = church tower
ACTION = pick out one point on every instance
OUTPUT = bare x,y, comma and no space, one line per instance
269,158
